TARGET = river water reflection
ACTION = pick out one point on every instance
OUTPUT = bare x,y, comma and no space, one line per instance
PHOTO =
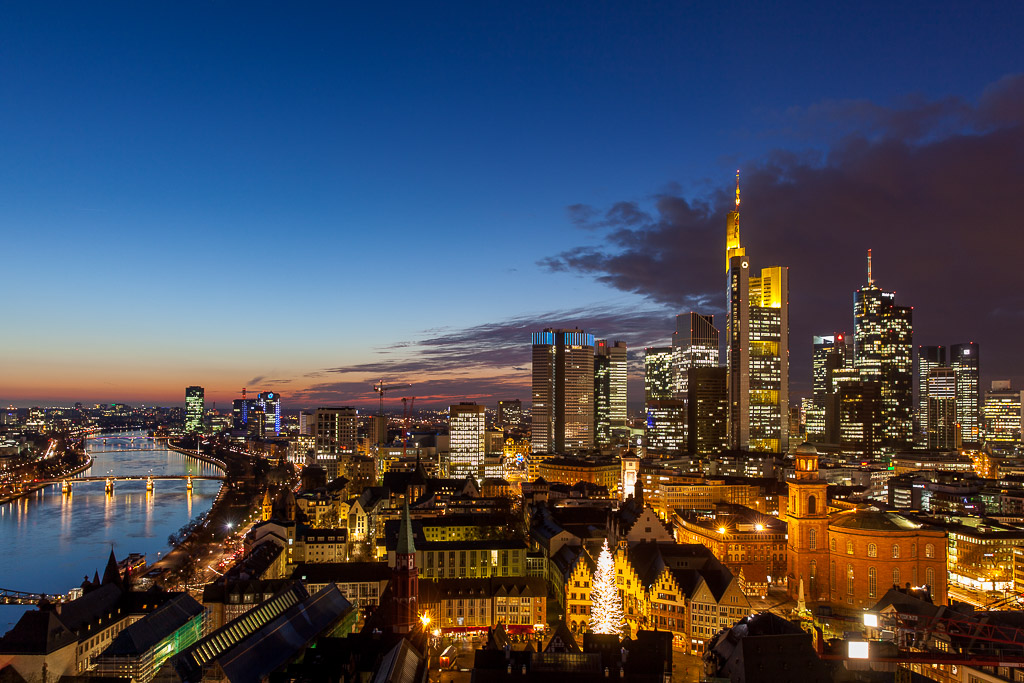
49,541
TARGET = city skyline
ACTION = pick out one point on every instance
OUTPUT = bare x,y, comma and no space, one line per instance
141,218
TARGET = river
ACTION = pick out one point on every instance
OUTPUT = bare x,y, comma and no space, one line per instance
50,541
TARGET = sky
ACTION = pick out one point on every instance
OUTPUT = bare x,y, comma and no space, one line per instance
312,198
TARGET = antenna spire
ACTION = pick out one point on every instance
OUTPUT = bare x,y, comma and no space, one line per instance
737,189
871,280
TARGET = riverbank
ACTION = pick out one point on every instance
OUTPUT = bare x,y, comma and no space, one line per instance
32,488
198,455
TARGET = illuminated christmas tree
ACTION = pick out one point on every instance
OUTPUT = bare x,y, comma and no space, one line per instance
605,603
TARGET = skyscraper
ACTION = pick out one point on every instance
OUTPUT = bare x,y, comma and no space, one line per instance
563,391
757,347
942,403
467,426
609,389
666,426
694,345
335,432
510,413
707,410
928,358
658,381
194,406
883,352
831,354
268,413
1003,418
965,361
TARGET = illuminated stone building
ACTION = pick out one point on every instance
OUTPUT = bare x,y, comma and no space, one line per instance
466,429
757,345
884,353
851,558
609,390
742,538
565,470
194,405
694,345
563,391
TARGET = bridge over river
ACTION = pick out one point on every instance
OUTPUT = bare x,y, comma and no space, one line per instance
67,483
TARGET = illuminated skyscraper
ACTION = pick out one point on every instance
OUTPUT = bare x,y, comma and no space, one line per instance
467,426
658,380
942,400
563,391
928,358
707,410
757,347
666,426
694,345
859,417
884,353
609,389
965,361
268,414
1003,418
194,406
510,413
831,353
335,432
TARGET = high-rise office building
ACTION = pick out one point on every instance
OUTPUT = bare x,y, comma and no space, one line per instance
336,433
241,410
928,358
268,413
510,413
757,347
694,345
609,389
666,426
859,418
467,426
965,361
658,380
831,353
707,410
884,353
194,406
1003,418
942,401
563,391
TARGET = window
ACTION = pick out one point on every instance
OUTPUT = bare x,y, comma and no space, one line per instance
895,551
812,539
872,550
849,547
814,578
849,579
929,550
872,582
896,576
832,574
833,545
929,577
812,505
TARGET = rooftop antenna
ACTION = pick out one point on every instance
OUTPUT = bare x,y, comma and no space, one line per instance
871,280
737,189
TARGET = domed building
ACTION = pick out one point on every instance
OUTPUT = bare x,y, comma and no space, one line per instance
852,558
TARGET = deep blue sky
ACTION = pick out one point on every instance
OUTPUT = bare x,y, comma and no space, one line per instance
308,197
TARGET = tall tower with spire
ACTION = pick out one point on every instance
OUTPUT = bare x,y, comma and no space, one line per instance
883,352
405,580
757,347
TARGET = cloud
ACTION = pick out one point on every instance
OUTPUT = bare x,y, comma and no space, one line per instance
932,186
483,362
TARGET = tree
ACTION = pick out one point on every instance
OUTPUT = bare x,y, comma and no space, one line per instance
606,605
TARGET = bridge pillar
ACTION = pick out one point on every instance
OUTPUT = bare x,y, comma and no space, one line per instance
109,486
149,485
65,486
188,485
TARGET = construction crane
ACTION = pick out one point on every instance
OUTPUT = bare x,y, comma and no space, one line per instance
406,414
382,389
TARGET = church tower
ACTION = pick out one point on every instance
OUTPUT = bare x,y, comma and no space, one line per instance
267,506
405,580
807,519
